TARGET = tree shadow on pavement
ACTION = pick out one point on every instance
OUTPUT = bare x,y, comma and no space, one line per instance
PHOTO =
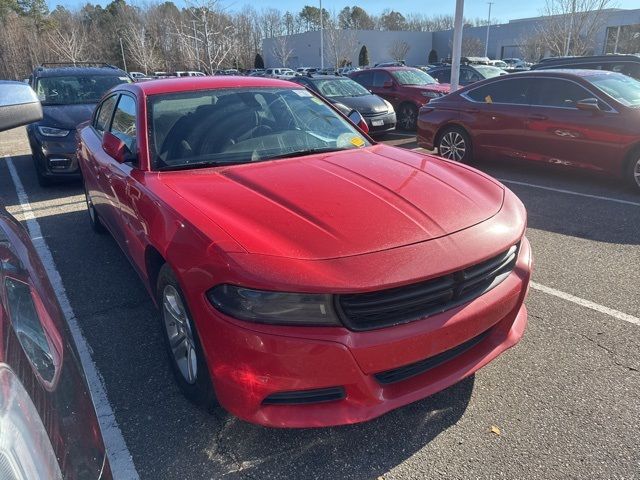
365,450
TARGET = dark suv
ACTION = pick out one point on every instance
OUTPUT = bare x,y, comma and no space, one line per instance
626,64
68,95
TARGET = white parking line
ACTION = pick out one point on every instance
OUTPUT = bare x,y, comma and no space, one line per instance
587,303
117,451
571,192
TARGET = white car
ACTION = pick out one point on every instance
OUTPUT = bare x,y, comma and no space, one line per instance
137,75
189,73
283,73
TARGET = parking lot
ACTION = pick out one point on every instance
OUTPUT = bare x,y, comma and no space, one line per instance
564,403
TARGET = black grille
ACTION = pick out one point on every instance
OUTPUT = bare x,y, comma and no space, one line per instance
413,369
318,395
384,308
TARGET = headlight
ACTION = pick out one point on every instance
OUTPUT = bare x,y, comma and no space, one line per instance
274,307
53,132
389,106
430,94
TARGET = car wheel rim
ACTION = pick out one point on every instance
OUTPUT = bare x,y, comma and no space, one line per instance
636,172
179,334
453,146
409,117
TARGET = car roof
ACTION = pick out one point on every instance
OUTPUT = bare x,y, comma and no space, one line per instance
71,71
610,57
189,84
565,72
391,69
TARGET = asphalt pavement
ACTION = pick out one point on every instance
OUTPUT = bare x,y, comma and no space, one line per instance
564,403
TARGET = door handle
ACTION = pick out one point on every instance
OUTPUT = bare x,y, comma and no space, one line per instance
537,116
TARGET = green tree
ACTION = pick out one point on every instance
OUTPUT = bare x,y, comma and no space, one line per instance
7,6
392,20
363,57
310,16
355,18
258,62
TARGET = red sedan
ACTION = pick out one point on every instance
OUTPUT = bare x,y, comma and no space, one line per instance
588,119
306,275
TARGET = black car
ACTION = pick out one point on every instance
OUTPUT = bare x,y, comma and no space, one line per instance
347,95
68,96
468,74
626,64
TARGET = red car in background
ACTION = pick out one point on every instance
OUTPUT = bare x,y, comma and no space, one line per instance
48,425
587,119
306,275
406,88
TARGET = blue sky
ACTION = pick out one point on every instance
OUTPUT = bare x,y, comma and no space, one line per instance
502,9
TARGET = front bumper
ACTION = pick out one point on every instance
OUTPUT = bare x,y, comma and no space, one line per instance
381,123
248,365
55,157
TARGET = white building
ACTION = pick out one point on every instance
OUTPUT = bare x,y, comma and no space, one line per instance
505,40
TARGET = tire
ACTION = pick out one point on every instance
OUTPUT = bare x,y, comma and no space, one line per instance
187,357
407,117
454,144
632,171
94,219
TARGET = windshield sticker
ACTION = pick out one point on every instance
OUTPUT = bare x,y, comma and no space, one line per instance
357,142
488,99
302,93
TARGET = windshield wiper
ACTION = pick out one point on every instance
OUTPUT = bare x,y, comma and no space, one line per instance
188,166
300,153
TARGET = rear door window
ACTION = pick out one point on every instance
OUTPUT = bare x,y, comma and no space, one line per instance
509,91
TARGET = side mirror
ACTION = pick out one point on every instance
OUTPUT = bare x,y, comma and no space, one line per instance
588,104
358,120
19,105
387,84
116,148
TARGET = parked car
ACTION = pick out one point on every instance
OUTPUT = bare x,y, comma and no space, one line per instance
347,70
327,71
160,74
138,76
347,95
68,96
499,64
48,425
228,195
254,72
390,64
626,64
188,73
515,65
306,70
575,118
468,73
284,73
406,88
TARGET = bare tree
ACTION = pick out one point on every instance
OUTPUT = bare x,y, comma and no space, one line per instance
281,50
472,47
340,44
68,38
141,47
399,50
532,47
570,26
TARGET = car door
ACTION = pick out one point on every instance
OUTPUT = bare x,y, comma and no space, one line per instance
496,116
96,159
558,132
384,86
126,190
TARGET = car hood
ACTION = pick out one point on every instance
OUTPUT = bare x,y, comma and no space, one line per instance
66,116
339,204
443,88
366,104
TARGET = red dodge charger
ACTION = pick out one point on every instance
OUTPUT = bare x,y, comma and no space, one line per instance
306,275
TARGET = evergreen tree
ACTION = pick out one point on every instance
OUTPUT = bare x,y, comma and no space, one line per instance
363,58
258,62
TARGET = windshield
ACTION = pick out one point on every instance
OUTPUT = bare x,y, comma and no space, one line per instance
341,88
76,89
625,90
488,71
242,125
413,77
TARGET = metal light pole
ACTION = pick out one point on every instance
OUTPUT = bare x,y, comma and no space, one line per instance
122,52
573,12
486,42
321,37
457,45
